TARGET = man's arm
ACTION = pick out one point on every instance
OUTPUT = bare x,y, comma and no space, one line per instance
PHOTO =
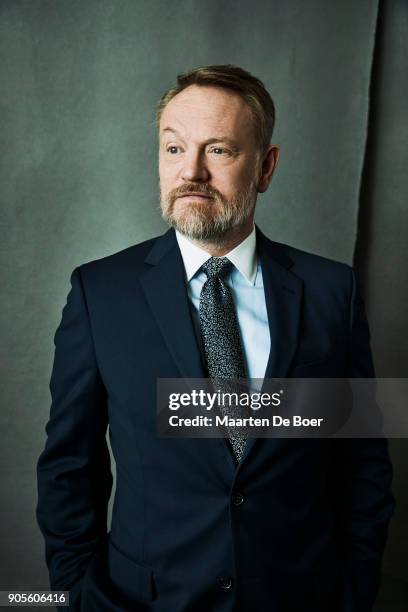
74,476
364,476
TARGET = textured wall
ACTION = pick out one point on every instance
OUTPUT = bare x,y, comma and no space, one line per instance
79,82
382,253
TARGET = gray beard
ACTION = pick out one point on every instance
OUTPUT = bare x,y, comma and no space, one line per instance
201,226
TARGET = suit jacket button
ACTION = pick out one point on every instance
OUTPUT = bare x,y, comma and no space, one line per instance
237,499
225,583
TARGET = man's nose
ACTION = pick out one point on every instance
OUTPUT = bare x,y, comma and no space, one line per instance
194,167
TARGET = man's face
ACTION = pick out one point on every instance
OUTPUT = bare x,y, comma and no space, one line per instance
208,162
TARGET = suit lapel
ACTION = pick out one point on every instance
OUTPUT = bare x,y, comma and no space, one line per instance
283,296
165,289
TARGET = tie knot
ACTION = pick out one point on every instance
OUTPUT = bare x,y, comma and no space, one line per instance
216,266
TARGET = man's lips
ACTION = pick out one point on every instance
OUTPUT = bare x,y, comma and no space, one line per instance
195,195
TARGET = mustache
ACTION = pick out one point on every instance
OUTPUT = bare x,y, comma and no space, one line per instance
201,188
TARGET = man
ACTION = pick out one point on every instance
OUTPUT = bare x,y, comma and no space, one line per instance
280,525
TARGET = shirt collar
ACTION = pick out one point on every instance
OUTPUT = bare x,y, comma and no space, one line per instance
243,256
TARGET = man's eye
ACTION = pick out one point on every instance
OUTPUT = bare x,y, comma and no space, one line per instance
172,149
219,151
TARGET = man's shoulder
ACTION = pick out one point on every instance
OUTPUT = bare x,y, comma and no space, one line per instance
316,262
321,278
130,258
302,262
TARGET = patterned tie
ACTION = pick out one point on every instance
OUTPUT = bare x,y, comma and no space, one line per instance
219,328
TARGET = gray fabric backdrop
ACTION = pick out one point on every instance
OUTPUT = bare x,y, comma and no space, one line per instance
79,81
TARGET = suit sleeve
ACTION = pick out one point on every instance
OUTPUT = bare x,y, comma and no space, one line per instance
73,472
365,476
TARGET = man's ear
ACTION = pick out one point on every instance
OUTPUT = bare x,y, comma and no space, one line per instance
270,161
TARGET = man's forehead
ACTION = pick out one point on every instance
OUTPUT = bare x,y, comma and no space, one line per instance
215,136
198,108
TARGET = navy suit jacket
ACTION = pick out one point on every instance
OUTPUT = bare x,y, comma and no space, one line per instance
298,526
